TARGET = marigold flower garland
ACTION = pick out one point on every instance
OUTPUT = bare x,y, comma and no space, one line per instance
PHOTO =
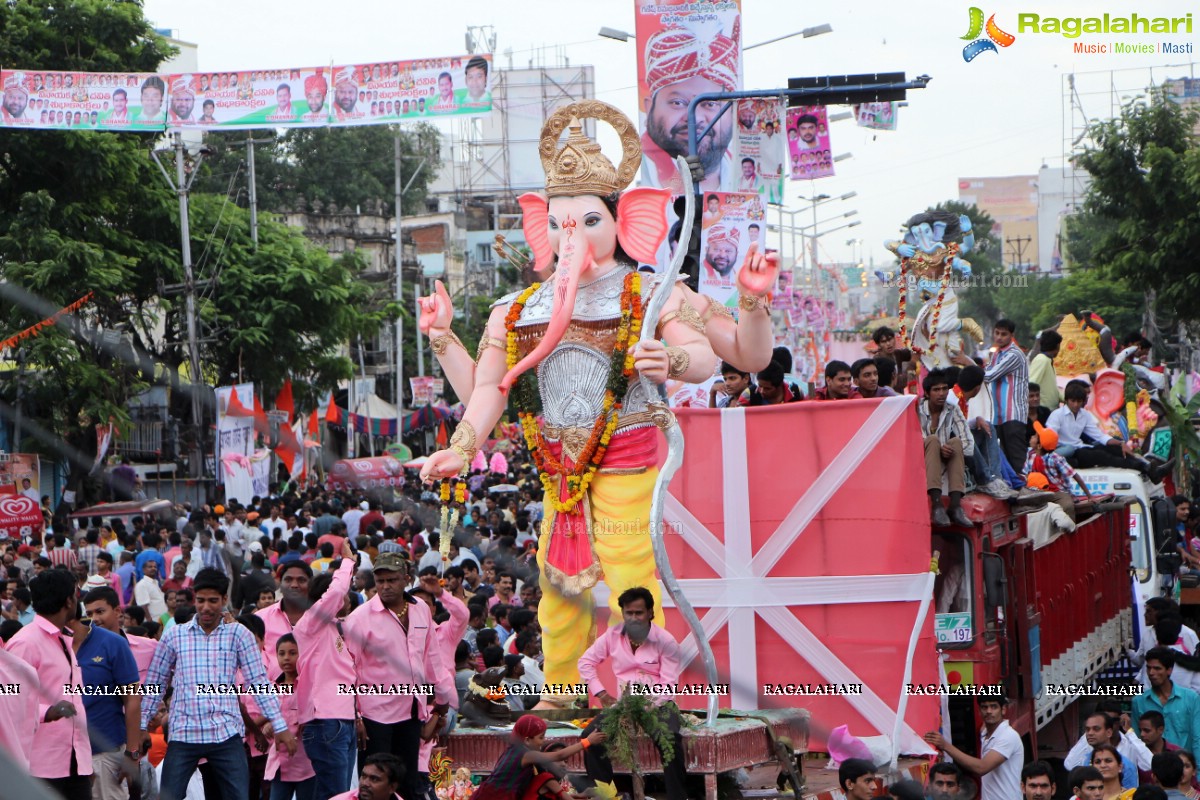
937,307
580,476
449,517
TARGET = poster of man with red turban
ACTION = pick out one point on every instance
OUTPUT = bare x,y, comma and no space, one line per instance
725,237
686,49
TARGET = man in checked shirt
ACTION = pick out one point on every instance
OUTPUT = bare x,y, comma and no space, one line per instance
195,658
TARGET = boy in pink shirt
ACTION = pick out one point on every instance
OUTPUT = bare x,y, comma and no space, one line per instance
289,775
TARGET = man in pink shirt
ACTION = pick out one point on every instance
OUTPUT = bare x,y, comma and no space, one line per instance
391,638
645,654
63,753
18,715
327,713
281,617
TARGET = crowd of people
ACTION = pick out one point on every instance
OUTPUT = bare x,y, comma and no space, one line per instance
290,644
1002,427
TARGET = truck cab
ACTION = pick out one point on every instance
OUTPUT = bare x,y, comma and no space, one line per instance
1022,604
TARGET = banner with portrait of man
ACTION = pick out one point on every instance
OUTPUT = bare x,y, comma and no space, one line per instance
730,223
760,147
808,143
686,49
877,116
366,94
115,101
250,99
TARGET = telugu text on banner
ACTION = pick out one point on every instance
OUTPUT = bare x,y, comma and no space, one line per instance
366,94
83,100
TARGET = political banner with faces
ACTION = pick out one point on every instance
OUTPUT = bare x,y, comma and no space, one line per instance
878,116
83,100
366,94
684,49
731,222
760,147
254,99
808,143
361,94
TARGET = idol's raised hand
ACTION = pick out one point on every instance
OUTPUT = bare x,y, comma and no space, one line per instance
758,272
436,310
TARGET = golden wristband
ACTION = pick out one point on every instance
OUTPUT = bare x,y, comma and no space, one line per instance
750,302
441,343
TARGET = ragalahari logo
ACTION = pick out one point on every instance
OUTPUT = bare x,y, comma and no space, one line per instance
995,36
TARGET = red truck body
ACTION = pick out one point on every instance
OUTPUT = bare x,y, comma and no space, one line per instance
1049,611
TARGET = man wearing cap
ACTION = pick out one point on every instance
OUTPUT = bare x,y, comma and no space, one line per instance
681,64
1048,471
720,256
345,94
16,99
183,99
315,90
391,638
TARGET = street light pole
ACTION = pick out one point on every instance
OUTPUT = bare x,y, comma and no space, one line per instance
182,184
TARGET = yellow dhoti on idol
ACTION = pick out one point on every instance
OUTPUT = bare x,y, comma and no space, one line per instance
616,512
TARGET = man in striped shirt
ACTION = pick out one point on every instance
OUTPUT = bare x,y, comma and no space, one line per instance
1007,381
63,555
199,660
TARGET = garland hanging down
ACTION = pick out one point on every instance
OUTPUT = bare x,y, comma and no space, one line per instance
580,475
34,330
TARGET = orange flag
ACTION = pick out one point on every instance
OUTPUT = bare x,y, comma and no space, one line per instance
442,439
236,408
313,422
284,401
334,414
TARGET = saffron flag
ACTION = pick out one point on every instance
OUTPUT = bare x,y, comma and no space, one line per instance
284,401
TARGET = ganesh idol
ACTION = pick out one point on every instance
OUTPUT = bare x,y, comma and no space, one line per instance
567,349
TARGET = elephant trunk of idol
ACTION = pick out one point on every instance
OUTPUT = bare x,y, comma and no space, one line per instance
574,258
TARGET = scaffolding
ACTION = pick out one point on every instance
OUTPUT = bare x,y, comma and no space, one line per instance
1090,97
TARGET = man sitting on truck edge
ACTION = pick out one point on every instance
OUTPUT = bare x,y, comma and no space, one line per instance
1084,445
1002,753
947,443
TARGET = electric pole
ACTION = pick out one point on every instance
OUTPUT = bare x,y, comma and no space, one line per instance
185,173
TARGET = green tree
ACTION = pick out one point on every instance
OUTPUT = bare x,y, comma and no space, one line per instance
281,311
1145,195
346,167
79,212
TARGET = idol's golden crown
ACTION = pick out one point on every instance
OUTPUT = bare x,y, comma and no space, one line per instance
578,167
